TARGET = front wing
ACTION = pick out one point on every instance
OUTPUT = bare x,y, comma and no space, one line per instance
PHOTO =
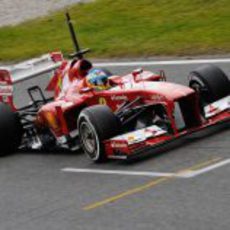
142,141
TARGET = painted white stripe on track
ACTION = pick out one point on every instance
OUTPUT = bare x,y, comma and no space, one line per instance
208,168
185,174
120,172
170,62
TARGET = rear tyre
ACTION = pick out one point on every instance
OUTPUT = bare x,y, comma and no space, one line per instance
210,82
96,124
11,130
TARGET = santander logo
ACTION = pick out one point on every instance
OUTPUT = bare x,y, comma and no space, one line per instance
6,90
119,97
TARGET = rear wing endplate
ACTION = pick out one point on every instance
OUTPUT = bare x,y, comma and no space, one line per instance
11,75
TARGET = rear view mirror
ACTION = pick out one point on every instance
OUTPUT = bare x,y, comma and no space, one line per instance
85,90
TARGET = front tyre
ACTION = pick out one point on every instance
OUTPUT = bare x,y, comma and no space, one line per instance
97,124
210,82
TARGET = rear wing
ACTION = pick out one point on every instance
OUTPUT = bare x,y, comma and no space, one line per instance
11,75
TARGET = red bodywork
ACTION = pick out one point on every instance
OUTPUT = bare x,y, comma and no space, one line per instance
6,88
144,88
77,98
61,115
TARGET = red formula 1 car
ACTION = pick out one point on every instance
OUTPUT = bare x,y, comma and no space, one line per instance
136,113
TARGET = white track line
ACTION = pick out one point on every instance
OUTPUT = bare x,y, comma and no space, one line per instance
171,62
185,174
120,172
208,168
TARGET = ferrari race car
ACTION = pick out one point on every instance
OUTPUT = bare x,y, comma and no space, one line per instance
135,114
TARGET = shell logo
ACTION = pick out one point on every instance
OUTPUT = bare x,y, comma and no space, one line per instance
102,101
131,138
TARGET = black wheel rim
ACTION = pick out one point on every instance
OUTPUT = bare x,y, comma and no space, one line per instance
196,86
201,91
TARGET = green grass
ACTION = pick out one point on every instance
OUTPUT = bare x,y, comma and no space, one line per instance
126,28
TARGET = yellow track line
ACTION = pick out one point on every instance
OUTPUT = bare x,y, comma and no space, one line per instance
149,185
127,193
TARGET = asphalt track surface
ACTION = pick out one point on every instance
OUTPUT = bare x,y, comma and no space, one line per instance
35,194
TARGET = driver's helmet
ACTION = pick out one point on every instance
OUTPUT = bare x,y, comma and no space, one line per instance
98,79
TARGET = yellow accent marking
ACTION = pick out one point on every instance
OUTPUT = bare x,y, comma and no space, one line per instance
60,80
124,194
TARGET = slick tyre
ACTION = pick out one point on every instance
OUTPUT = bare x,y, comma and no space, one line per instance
96,124
11,130
211,83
